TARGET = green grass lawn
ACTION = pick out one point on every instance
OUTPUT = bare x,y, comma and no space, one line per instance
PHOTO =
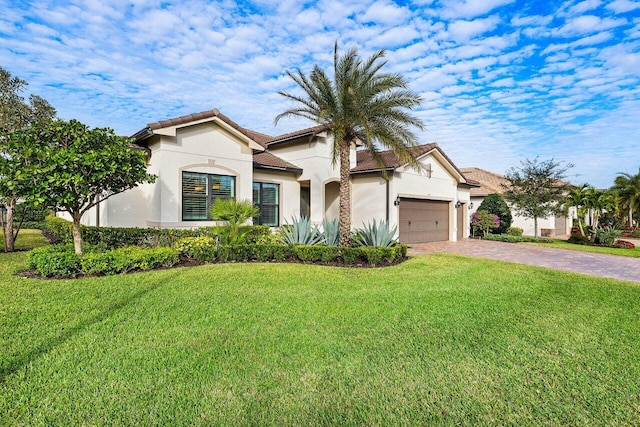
563,244
440,339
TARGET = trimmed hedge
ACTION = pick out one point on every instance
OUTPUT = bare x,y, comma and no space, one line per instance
517,239
118,237
62,261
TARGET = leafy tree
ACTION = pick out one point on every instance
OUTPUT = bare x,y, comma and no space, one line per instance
485,221
627,188
15,114
73,167
495,204
360,104
537,189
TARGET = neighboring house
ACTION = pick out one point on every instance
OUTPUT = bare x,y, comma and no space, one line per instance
491,183
203,156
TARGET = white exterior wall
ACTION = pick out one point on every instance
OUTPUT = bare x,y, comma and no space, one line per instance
289,192
314,159
526,224
368,199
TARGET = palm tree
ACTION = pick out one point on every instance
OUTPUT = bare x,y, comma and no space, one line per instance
577,197
360,105
627,187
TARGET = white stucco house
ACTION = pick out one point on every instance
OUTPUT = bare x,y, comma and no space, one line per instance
492,183
202,156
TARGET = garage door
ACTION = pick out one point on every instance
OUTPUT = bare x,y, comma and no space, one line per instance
561,226
423,221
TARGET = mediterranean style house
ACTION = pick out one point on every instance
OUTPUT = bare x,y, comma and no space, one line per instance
492,183
203,156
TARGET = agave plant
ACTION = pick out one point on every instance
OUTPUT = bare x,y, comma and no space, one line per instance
299,232
375,234
330,232
606,235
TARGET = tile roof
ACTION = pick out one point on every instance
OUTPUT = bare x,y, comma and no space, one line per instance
366,163
297,134
266,160
490,182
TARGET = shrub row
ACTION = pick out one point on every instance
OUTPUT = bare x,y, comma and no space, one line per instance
517,239
116,237
62,261
204,249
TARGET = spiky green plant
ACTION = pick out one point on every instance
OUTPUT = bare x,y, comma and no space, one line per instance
606,235
331,232
375,234
234,213
299,232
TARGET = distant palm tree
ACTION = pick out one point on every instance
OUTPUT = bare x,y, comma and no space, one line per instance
576,197
360,105
627,187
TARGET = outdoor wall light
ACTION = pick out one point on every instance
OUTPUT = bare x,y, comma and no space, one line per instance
396,202
458,204
470,205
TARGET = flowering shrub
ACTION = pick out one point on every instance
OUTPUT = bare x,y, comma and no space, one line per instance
485,221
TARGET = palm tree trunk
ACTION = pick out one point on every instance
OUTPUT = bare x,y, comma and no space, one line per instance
345,194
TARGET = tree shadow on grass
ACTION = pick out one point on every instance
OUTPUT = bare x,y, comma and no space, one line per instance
20,361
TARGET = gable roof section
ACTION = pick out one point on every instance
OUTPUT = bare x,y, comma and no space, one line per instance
297,135
490,182
366,163
169,126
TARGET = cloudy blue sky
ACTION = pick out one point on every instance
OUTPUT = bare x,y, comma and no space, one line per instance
502,80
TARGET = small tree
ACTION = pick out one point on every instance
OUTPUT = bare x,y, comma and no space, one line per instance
537,189
15,114
485,221
495,204
73,167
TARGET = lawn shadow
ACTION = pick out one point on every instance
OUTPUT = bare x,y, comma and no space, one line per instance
22,360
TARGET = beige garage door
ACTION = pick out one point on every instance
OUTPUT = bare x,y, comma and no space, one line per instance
423,221
561,225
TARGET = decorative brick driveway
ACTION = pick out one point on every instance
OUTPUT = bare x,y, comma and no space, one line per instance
617,267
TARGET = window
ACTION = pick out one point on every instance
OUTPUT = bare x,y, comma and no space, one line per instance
200,190
267,198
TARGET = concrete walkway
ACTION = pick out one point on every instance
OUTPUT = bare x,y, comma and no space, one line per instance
603,265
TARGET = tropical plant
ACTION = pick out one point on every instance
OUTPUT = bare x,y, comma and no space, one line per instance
627,188
606,235
235,213
299,232
576,197
495,204
72,167
484,221
330,232
359,105
536,189
16,114
375,234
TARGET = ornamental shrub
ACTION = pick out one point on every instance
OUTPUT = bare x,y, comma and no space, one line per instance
578,239
515,231
56,260
202,249
377,255
484,221
606,235
495,204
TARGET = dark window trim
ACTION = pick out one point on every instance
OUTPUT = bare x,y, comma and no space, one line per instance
258,220
210,198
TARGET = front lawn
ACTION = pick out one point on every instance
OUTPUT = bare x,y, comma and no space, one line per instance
439,339
563,244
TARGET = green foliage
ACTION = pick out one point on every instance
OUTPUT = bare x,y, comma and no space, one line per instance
330,232
578,239
517,239
15,112
627,189
117,237
359,103
273,252
76,167
537,189
375,234
515,231
202,248
495,204
51,261
606,235
234,213
62,261
299,232
378,255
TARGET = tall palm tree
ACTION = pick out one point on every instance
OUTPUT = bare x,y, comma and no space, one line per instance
576,197
627,187
360,105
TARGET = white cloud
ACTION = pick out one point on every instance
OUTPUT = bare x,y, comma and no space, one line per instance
385,12
623,6
465,30
471,8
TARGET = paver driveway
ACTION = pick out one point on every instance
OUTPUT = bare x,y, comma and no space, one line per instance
617,267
